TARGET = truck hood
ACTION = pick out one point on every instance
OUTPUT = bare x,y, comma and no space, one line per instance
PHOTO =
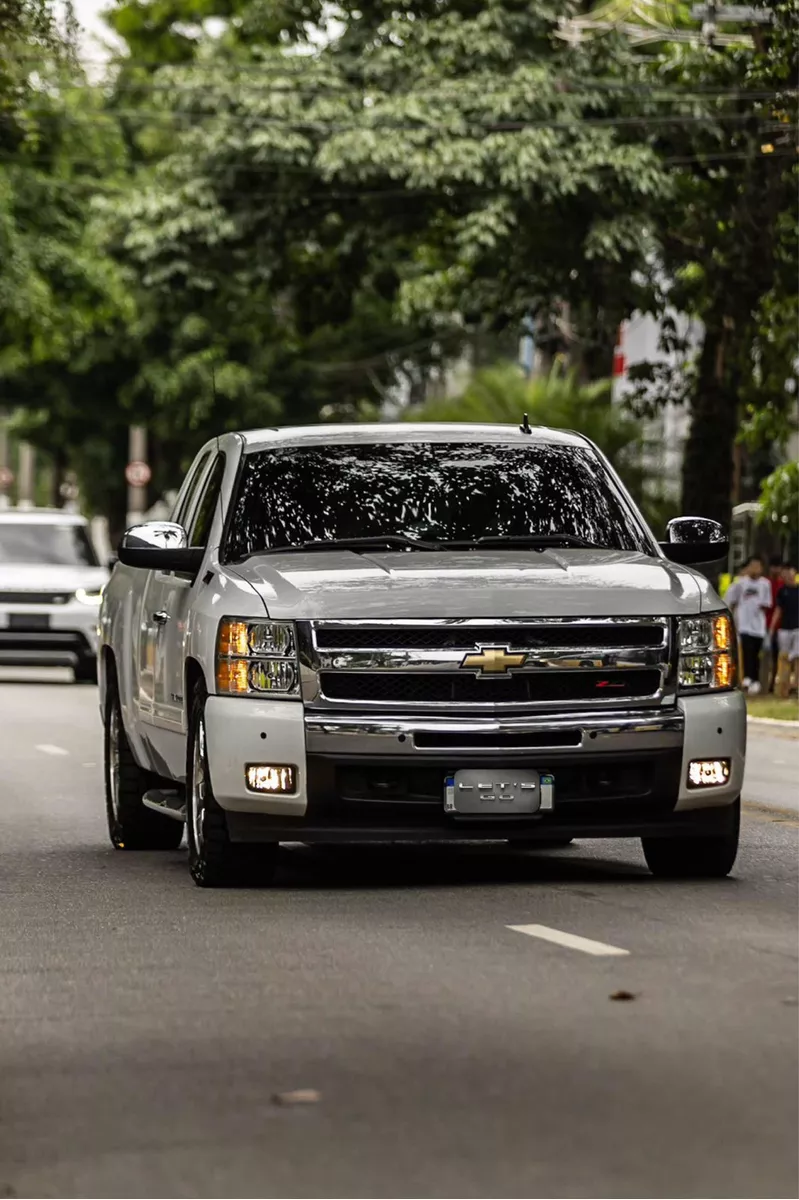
42,577
344,585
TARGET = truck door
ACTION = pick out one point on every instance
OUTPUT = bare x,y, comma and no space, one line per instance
152,673
176,600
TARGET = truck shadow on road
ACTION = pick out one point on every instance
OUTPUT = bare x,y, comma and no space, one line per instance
361,868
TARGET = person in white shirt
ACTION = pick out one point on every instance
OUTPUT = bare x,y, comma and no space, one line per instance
749,597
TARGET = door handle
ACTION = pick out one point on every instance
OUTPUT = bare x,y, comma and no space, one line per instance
161,618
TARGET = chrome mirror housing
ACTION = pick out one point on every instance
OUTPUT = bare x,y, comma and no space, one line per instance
155,535
160,546
693,540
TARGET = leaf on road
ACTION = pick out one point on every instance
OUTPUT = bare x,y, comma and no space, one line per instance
622,995
300,1096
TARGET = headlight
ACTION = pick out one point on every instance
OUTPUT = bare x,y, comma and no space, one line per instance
92,596
257,658
708,653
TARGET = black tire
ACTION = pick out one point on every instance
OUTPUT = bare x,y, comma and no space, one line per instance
131,826
85,670
215,861
710,857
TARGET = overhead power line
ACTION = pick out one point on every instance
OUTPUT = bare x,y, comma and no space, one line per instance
449,191
410,125
460,88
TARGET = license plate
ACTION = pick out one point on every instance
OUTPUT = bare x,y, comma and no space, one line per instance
28,621
499,792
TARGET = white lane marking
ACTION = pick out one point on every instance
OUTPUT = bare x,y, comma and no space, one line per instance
569,939
47,749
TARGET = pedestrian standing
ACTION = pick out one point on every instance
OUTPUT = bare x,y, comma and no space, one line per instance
749,597
776,571
785,623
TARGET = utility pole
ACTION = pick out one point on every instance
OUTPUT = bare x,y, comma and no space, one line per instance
6,474
527,346
137,474
26,492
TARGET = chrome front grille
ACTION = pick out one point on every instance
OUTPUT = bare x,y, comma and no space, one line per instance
476,666
35,597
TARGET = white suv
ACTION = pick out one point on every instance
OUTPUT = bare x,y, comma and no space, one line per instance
50,588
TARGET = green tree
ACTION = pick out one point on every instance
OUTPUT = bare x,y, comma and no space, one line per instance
59,292
727,248
779,505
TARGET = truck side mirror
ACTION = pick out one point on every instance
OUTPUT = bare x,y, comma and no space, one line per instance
160,546
695,540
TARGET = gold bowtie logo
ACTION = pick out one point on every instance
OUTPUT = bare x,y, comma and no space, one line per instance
493,660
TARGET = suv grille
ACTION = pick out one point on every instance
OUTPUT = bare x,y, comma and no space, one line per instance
35,597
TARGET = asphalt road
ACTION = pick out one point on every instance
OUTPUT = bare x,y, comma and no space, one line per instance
146,1025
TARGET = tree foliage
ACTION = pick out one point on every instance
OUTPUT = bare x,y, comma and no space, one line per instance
247,224
779,504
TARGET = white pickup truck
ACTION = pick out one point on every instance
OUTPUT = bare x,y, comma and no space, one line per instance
417,632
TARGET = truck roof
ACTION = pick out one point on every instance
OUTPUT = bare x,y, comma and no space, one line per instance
405,431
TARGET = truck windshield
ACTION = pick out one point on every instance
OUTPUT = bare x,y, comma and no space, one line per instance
434,491
56,545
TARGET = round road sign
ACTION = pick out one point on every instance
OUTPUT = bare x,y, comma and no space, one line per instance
6,478
138,474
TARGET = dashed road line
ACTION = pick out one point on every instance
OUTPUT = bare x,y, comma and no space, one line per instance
46,748
571,940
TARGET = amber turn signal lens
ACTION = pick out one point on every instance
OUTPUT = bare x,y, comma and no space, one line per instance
233,676
723,671
233,639
722,632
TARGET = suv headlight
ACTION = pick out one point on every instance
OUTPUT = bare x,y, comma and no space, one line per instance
257,658
708,653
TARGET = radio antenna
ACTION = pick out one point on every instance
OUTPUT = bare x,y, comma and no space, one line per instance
525,427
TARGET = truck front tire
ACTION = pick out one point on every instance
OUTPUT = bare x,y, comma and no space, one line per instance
215,861
131,826
710,857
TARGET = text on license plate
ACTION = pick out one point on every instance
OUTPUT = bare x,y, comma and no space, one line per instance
498,792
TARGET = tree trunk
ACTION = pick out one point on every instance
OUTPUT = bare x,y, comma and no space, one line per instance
708,463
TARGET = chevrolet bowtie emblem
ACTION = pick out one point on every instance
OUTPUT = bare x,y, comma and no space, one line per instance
493,660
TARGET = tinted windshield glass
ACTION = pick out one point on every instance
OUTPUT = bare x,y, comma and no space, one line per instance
427,490
49,545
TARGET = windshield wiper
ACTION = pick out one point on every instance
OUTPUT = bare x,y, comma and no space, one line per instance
388,541
532,541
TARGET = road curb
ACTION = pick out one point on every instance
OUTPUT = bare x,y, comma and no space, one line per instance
772,723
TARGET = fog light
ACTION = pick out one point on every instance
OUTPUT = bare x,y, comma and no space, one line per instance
268,777
708,772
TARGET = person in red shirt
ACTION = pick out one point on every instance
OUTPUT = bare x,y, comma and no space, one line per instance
775,578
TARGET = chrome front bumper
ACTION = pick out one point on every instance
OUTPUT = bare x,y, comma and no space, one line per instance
343,736
341,758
